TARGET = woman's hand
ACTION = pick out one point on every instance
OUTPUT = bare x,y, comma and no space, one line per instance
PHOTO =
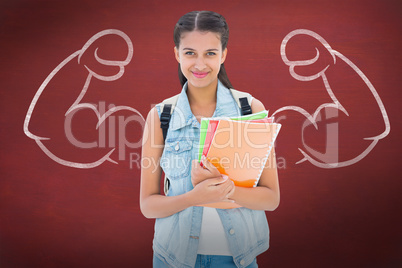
200,173
213,190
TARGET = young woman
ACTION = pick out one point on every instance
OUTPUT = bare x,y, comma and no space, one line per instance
186,234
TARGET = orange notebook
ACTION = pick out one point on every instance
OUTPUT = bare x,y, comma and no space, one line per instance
239,149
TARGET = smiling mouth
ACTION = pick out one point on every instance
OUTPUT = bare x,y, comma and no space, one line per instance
200,74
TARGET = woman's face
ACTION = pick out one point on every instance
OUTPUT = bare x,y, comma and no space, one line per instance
200,56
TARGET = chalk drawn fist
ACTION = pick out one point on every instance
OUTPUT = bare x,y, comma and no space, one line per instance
333,68
67,85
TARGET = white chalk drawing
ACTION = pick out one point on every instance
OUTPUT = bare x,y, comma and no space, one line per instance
315,117
326,160
77,105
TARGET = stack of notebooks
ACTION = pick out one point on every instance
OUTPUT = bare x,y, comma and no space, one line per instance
238,147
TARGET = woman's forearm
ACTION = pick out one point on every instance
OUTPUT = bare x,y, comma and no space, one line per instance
160,206
258,198
208,191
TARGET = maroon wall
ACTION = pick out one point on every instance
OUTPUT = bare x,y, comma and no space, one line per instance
56,215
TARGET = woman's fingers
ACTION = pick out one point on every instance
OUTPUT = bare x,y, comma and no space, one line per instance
200,173
224,186
215,189
218,180
231,192
229,185
208,166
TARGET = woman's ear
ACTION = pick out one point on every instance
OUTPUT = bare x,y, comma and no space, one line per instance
176,54
224,53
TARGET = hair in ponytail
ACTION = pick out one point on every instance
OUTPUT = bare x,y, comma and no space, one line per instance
205,21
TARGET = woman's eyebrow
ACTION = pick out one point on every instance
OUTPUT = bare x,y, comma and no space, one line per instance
211,49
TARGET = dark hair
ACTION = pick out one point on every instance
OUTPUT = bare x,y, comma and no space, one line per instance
204,21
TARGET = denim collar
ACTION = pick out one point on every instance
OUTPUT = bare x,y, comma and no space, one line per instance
182,115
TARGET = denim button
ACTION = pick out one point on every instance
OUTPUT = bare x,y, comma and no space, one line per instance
177,147
242,262
232,231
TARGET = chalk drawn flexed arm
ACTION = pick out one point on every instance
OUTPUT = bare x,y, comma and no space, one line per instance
75,60
308,153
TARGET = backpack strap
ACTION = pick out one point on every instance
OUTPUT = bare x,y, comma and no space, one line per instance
165,119
243,100
167,108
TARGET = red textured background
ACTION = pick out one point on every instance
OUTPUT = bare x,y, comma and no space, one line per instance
57,216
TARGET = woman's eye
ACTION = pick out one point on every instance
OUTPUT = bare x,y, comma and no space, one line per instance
189,53
211,53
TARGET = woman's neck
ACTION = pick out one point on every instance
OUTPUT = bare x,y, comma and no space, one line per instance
202,100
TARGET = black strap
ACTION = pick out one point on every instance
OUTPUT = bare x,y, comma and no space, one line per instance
245,107
165,119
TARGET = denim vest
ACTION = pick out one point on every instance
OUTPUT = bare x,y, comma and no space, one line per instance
176,237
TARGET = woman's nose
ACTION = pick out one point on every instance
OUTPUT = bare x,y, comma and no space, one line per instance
200,63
